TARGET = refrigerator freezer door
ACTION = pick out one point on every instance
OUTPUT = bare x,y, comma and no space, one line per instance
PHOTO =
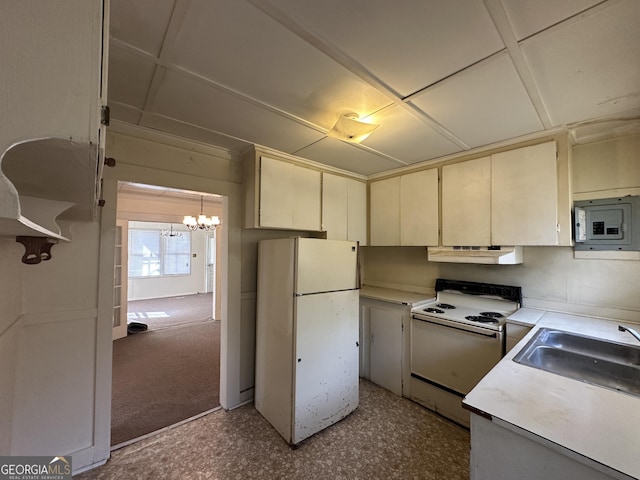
325,265
326,361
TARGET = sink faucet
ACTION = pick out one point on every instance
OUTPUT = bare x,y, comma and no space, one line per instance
622,328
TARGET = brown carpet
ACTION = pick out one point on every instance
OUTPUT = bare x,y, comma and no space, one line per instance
158,313
164,376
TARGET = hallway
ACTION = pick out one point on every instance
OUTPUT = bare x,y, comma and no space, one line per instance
169,373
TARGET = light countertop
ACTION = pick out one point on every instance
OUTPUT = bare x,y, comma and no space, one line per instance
597,423
526,316
399,297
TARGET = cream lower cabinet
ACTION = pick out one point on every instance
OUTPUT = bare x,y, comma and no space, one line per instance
404,210
344,208
515,333
501,451
281,194
384,354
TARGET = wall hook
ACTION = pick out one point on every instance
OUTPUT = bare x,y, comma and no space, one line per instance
37,249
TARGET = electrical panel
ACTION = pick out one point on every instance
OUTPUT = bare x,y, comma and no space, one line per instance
607,224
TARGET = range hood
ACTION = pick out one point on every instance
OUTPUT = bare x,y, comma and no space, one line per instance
484,255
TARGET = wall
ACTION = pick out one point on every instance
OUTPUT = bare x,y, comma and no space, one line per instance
171,208
550,277
140,288
47,347
11,289
56,350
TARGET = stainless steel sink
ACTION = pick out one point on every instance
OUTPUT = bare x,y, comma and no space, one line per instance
599,362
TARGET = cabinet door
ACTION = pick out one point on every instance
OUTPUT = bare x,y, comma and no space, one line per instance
386,349
365,339
384,212
466,203
289,196
357,211
419,208
335,216
524,196
344,208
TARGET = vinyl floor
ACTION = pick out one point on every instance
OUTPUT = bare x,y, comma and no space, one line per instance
386,437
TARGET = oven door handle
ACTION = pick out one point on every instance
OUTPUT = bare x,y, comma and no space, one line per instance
459,326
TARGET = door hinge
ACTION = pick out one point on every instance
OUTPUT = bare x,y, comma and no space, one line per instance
105,115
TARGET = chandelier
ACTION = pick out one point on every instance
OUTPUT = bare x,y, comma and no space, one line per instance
202,222
171,233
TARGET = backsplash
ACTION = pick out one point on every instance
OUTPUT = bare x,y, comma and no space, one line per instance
550,278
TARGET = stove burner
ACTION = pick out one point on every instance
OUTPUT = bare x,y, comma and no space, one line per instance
491,314
446,306
433,310
481,319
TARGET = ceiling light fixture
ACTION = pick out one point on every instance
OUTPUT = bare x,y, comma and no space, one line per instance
171,233
203,222
350,128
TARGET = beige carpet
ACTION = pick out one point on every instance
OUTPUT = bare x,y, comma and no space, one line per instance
164,376
387,437
159,313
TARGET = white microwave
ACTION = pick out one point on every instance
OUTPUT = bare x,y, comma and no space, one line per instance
607,224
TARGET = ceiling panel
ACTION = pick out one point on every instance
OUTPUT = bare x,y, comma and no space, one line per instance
531,16
483,104
588,67
185,130
405,137
278,73
272,64
141,23
347,157
129,77
124,113
193,101
404,44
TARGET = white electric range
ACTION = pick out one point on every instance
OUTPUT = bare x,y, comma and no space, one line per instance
456,340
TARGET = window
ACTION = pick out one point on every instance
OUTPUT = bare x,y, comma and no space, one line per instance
151,254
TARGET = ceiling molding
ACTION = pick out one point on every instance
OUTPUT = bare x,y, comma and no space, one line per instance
145,133
475,152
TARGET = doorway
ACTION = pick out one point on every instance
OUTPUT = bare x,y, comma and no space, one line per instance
169,372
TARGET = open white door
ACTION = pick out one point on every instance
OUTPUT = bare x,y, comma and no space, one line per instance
120,276
211,262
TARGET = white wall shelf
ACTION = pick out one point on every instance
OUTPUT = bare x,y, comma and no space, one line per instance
44,180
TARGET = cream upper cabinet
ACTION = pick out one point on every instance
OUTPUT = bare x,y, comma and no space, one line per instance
344,208
384,212
283,195
518,197
524,196
404,209
419,208
466,203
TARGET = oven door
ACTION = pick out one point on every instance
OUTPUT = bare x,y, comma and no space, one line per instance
452,355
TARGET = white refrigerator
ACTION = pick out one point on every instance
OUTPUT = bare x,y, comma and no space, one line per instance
306,334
